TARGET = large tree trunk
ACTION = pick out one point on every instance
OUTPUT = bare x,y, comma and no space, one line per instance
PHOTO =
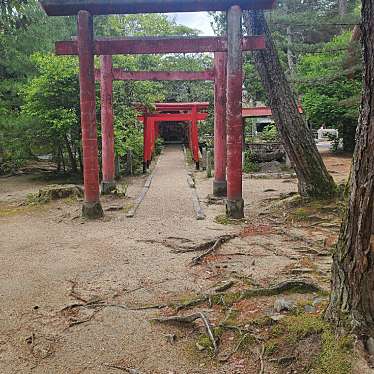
314,180
352,294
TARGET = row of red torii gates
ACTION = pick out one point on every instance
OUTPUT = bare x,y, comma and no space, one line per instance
227,74
174,112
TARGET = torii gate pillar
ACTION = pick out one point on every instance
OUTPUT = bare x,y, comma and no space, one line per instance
234,203
145,142
220,183
92,207
108,183
195,137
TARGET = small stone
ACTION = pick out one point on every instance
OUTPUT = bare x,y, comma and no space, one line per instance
310,309
171,338
370,346
319,300
277,317
200,347
283,304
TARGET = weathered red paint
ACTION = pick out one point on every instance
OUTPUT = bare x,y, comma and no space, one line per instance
152,131
220,65
195,135
161,45
123,75
106,85
175,117
234,114
145,138
71,7
88,108
182,106
261,111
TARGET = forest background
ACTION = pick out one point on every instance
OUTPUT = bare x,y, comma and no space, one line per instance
317,42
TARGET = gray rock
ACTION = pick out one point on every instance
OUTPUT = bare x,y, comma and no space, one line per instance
310,309
281,304
318,301
277,317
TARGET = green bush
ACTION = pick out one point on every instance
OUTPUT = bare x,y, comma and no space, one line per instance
270,133
250,166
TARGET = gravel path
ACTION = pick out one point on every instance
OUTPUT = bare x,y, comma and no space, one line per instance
169,196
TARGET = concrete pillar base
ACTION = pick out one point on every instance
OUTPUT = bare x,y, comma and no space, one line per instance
220,188
107,187
235,209
92,210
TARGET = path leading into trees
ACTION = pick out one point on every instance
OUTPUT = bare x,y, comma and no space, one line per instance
169,196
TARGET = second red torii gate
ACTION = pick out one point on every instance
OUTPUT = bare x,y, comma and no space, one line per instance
108,73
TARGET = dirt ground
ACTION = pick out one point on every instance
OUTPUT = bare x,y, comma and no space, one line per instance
78,296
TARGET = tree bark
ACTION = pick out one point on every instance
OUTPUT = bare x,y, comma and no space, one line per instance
352,293
72,159
314,179
342,8
291,65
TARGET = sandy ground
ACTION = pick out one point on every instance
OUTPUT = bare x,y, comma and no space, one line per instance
51,259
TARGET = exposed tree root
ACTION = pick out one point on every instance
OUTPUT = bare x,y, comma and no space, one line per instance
289,285
212,248
295,237
297,285
229,355
261,359
190,319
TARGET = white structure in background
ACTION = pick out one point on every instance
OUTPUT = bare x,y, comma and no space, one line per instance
326,134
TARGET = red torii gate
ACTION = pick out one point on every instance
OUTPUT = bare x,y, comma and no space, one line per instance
87,47
106,75
176,112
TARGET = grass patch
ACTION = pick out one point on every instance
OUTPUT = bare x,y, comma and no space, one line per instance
222,219
335,353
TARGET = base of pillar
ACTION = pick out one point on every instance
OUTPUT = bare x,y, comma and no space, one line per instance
197,165
220,188
92,210
144,167
235,209
107,187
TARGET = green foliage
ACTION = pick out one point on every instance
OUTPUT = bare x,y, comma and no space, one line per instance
270,133
331,86
250,166
39,92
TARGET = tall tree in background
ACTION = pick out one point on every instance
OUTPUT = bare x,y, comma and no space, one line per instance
352,294
314,179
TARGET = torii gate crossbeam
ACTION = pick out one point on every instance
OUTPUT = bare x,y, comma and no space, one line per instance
97,7
160,45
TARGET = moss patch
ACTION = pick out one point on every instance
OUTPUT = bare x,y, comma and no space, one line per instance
224,220
313,343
